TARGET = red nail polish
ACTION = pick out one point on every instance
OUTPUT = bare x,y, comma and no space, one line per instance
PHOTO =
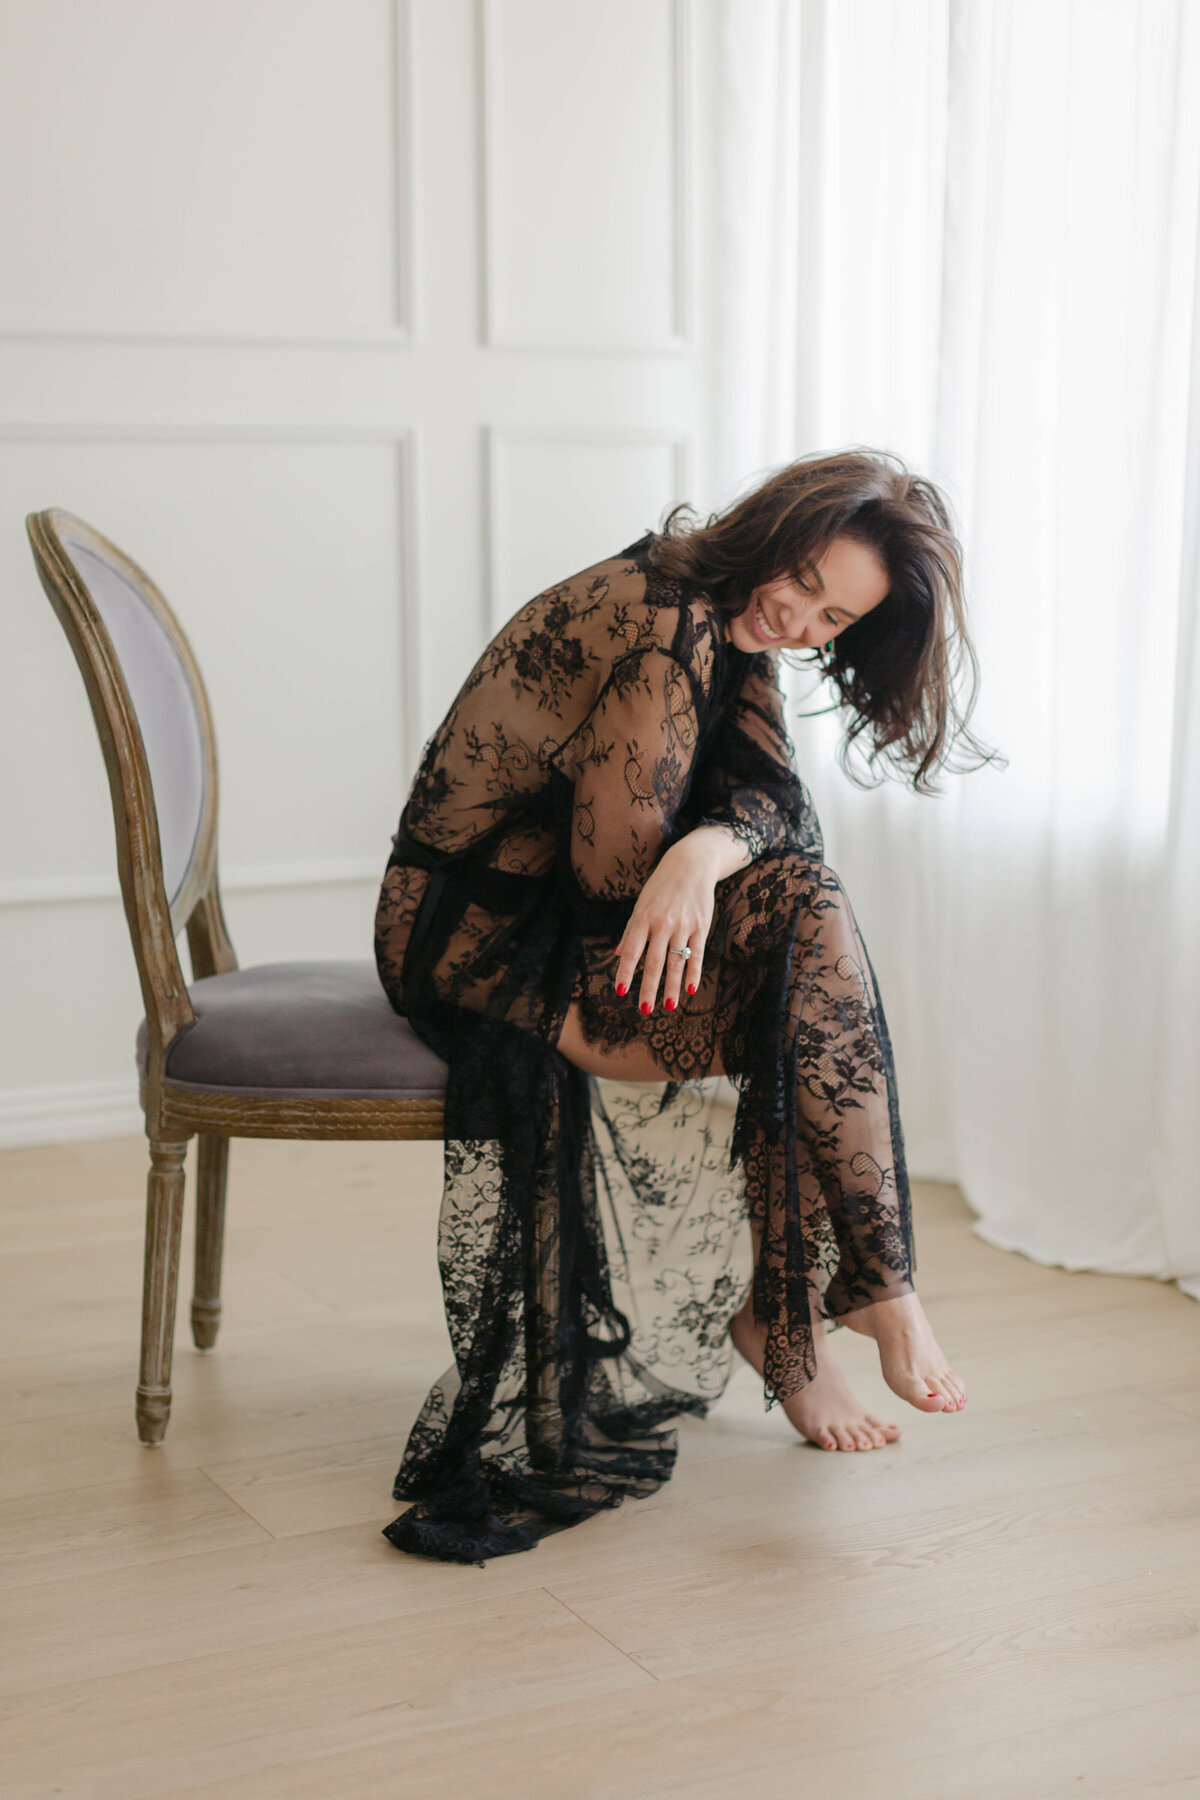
691,987
670,1005
645,1006
621,988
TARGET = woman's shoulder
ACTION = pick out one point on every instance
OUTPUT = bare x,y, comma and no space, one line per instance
651,610
602,616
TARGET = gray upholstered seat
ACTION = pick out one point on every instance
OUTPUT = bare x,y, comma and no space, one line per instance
293,1030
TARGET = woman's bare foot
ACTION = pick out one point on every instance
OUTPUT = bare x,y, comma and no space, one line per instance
912,1364
826,1411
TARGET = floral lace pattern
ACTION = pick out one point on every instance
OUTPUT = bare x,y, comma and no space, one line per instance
609,717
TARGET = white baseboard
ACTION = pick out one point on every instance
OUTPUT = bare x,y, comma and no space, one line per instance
65,1112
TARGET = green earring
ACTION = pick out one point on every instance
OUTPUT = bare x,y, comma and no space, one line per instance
829,645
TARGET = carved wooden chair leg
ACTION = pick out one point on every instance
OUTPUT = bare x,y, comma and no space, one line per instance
212,1165
164,1226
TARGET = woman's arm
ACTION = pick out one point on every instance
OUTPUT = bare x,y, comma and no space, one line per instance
750,786
634,769
750,802
637,749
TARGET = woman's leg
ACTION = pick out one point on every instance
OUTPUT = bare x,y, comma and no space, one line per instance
818,1008
825,1411
632,1061
786,983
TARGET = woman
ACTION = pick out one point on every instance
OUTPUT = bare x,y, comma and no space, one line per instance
608,867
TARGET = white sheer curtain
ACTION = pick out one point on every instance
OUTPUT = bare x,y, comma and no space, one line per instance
967,231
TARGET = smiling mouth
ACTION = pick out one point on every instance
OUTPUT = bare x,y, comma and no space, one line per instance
768,637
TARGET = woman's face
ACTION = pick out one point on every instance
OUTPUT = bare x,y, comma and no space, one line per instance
787,614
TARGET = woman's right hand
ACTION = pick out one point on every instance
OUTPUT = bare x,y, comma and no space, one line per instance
675,908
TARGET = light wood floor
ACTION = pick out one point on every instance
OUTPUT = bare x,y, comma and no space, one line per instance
1004,1603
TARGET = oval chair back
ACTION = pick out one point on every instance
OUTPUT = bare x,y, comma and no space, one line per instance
155,727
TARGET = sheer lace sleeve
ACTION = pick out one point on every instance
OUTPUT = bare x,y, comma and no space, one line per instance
633,769
750,783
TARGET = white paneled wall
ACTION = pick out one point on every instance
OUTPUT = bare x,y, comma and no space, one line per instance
355,325
560,500
587,215
225,171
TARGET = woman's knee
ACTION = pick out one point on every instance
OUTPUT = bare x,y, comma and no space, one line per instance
627,1062
783,895
634,1060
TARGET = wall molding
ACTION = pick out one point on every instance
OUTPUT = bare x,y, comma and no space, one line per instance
165,431
405,443
239,878
399,334
681,340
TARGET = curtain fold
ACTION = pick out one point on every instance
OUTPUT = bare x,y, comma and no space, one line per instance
967,231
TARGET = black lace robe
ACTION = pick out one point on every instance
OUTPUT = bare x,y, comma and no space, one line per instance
608,717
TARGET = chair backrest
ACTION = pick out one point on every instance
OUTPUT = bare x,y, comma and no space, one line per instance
155,727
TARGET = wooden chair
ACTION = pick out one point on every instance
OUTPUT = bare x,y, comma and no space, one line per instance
284,1050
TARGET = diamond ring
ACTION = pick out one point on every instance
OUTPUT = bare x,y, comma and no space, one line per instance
685,952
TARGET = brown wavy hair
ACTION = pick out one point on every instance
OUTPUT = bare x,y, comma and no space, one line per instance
899,671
